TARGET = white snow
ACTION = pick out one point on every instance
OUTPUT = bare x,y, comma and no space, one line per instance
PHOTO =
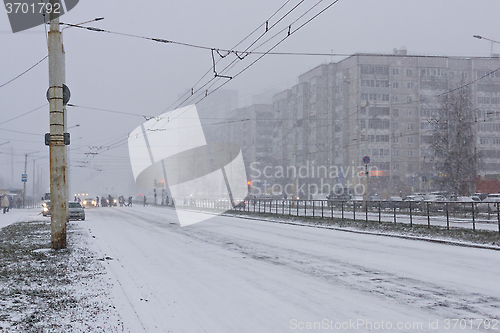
237,275
18,215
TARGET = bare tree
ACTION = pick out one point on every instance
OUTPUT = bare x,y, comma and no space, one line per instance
454,142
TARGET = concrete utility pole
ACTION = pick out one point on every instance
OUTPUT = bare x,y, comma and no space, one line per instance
25,181
33,189
58,189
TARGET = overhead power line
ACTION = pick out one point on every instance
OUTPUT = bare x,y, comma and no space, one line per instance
290,32
22,115
26,71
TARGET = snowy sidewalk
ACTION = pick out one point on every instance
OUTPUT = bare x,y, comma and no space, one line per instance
20,215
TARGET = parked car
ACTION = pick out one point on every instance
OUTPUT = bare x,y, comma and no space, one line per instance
414,197
76,211
481,196
437,202
464,204
374,201
415,201
394,202
490,203
356,200
475,198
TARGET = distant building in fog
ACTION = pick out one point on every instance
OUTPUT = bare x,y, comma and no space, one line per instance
378,105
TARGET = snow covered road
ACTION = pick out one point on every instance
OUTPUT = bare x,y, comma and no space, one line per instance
236,275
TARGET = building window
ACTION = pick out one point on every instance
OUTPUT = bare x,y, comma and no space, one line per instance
410,153
409,99
375,97
395,85
372,69
382,83
465,75
395,166
394,99
395,152
378,124
409,72
409,126
395,139
409,85
367,83
395,71
395,112
410,140
410,113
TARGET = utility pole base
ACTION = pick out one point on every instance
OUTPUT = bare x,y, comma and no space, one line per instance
58,240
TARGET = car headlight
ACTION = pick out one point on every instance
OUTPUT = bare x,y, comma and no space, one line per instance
44,204
45,209
93,202
84,202
114,201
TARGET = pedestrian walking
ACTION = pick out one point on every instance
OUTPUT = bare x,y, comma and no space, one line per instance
5,203
145,200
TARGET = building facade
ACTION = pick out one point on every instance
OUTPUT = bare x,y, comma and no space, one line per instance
381,106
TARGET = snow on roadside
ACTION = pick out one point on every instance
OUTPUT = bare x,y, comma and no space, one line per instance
52,291
17,215
484,239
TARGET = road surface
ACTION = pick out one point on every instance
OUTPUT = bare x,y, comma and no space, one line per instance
236,275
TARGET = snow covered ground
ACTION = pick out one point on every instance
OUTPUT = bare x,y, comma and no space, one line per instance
17,215
238,275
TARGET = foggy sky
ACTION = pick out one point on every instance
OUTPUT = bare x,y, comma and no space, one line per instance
143,77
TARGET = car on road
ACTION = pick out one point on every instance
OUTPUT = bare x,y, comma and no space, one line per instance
46,208
76,211
88,202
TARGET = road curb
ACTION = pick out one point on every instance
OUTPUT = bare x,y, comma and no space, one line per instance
439,241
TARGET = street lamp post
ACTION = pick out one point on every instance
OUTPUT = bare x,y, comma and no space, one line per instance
491,40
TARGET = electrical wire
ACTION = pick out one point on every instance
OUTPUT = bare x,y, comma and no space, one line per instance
22,115
26,71
290,32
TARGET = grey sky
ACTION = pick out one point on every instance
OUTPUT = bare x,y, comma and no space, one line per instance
143,77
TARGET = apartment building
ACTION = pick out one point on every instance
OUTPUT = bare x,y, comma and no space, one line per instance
382,106
251,128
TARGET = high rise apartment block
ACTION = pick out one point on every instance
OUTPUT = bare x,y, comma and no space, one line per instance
381,106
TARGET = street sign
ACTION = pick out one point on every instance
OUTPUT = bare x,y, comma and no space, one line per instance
66,94
366,159
24,177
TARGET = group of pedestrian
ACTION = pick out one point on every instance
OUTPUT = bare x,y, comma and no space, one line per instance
109,201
